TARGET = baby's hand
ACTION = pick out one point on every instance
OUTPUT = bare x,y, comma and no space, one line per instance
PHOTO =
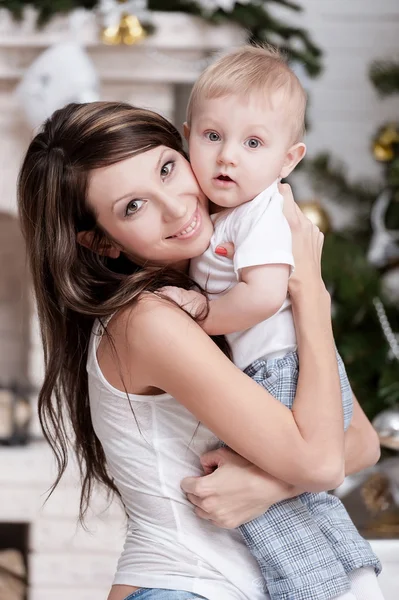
192,302
226,249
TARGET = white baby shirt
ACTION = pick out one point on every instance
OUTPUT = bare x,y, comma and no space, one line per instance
261,236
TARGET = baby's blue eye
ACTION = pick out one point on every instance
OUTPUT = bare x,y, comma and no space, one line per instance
253,143
213,136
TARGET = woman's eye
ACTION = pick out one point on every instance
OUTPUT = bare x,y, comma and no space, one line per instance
253,143
133,207
212,136
167,168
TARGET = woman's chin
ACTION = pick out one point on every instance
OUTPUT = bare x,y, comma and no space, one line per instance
200,245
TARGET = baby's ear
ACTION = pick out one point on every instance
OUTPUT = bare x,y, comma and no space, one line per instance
294,155
186,130
106,248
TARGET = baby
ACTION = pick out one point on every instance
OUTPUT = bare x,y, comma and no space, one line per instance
245,124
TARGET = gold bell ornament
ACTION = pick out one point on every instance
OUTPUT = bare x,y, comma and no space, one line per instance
314,211
121,21
386,143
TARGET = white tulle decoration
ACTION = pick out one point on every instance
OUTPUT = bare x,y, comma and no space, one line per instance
62,74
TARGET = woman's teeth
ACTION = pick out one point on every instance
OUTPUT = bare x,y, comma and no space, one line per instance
188,229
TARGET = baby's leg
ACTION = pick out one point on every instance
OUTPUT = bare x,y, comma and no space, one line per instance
350,548
294,556
333,520
364,584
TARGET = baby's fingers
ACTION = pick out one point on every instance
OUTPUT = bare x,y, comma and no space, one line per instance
226,249
171,292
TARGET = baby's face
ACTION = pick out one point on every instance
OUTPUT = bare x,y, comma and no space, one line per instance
239,146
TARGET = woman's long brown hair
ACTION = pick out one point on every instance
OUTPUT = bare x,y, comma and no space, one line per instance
73,285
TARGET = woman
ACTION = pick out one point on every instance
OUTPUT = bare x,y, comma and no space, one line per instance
111,213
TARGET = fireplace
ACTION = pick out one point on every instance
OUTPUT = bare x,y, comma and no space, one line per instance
14,542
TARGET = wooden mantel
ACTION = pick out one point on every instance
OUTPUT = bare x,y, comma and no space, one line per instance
146,74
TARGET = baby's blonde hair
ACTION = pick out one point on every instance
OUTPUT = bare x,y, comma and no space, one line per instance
248,69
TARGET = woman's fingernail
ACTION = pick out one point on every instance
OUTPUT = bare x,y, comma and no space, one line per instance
221,251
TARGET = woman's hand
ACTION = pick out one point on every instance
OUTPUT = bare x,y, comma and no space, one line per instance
307,245
236,492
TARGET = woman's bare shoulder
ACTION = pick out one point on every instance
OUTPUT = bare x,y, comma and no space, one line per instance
138,336
150,325
150,315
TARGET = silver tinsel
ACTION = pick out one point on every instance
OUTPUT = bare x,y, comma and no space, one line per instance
390,336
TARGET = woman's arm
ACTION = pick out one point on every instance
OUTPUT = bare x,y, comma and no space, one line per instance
362,446
172,353
165,349
237,491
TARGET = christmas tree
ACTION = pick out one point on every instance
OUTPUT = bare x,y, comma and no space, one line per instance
361,264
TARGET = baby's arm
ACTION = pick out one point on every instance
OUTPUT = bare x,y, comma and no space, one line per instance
259,295
262,263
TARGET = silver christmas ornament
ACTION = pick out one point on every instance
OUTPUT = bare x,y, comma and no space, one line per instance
386,425
390,285
384,245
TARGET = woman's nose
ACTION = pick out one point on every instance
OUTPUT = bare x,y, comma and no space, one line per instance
173,207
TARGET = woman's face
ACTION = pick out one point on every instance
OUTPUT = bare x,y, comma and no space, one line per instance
152,207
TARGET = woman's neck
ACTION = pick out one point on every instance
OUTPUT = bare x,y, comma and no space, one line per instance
182,265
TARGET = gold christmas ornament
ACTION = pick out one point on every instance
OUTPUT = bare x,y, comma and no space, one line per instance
386,144
121,21
317,214
376,493
129,32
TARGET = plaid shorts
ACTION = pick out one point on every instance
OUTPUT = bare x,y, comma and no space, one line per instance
305,546
158,594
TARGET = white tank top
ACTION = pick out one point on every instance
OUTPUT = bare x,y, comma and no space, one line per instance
167,545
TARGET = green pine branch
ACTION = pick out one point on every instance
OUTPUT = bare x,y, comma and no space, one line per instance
385,76
253,17
354,283
328,175
295,41
287,4
46,8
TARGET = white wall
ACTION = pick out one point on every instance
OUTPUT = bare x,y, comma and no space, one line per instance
345,110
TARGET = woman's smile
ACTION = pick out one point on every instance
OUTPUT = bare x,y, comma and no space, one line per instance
192,227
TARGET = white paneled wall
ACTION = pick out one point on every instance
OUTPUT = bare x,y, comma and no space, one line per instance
65,562
345,110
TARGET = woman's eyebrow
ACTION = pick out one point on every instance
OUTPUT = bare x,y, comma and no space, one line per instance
156,169
128,195
159,161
